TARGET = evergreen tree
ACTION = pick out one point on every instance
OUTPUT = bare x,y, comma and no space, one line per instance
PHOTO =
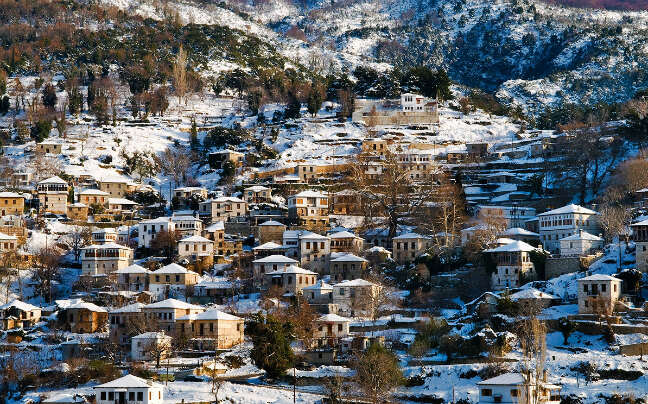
293,108
194,143
254,101
75,102
314,100
91,96
40,130
49,96
271,340
4,104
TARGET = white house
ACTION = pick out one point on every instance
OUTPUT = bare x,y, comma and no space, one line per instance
141,345
598,294
269,264
514,264
581,243
129,389
195,246
563,222
513,388
331,327
148,230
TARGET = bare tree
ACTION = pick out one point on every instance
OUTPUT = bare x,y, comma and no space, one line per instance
377,373
158,349
392,195
175,163
47,271
180,74
531,334
80,236
614,221
45,166
10,264
141,323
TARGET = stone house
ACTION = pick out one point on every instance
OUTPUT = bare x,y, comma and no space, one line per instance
211,329
598,294
84,317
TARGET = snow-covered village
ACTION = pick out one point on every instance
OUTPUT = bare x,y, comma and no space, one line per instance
352,201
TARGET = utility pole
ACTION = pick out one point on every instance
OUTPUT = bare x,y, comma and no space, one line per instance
294,384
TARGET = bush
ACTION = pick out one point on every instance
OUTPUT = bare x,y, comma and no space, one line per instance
619,374
415,381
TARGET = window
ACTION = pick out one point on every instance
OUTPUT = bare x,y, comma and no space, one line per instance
486,392
615,288
131,396
111,395
140,396
585,288
514,393
340,327
603,287
103,395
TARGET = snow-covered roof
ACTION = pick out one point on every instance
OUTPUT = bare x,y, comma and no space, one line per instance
173,304
20,305
354,283
6,194
93,191
257,188
309,194
513,247
268,246
319,285
518,231
152,335
133,269
410,235
343,234
293,269
172,268
282,259
507,379
53,180
271,223
162,219
599,277
571,208
216,226
531,293
347,257
7,237
104,231
131,308
333,318
87,306
226,199
582,235
106,246
196,239
121,201
212,314
128,381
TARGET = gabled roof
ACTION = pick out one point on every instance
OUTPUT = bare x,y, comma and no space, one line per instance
515,246
599,277
571,208
133,269
6,194
106,247
293,269
121,201
531,293
333,318
20,305
582,235
313,236
257,188
128,381
354,283
172,304
54,180
212,314
275,258
507,379
196,239
7,237
216,226
172,268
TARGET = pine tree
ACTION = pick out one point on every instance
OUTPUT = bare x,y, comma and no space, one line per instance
194,142
314,101
293,108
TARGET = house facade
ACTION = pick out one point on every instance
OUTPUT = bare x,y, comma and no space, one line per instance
598,294
557,224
